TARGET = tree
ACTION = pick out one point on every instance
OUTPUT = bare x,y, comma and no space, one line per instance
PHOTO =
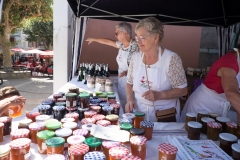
38,30
14,12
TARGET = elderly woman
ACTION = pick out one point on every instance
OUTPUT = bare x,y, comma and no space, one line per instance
127,47
155,76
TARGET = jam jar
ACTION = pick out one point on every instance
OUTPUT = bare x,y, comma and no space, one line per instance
94,155
223,121
226,141
1,131
98,117
72,109
88,127
126,126
190,117
64,133
45,109
117,153
32,115
71,100
84,100
56,96
116,108
42,136
131,157
76,139
97,109
77,151
55,157
61,104
50,103
236,151
81,113
213,115
148,128
88,120
73,90
107,145
95,144
138,146
53,125
194,130
130,116
20,133
34,129
111,97
103,123
7,121
139,116
58,112
110,93
42,118
4,152
201,114
137,132
71,125
112,118
213,130
64,120
81,132
102,95
98,93
63,99
124,120
89,114
231,127
24,123
204,122
20,149
55,145
167,151
50,120
107,110
73,115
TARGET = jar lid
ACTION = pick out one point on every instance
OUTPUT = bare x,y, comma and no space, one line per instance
214,125
46,134
231,124
1,124
103,123
64,120
94,101
54,125
126,126
37,126
103,99
88,120
5,119
191,114
84,95
118,152
194,124
102,96
55,141
167,148
110,144
81,132
93,142
57,95
95,107
72,115
98,117
110,93
223,119
228,137
104,104
70,125
62,99
98,92
139,114
112,117
88,126
19,133
83,109
76,139
137,131
4,150
206,119
115,105
60,104
50,120
202,112
20,143
236,147
73,88
78,149
214,114
94,155
55,156
71,95
128,115
111,96
131,157
25,121
58,108
32,114
63,132
138,140
147,124
42,117
71,109
47,102
107,108
124,120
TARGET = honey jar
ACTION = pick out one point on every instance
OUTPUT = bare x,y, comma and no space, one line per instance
32,116
194,130
64,120
84,100
116,108
190,117
7,121
53,125
167,151
89,114
139,117
107,145
148,128
94,155
236,151
88,120
76,139
113,119
20,133
138,146
204,122
24,123
34,129
77,151
20,149
4,152
45,109
64,133
98,117
97,109
59,112
226,141
71,125
73,115
42,118
81,132
55,145
95,144
231,127
137,132
117,153
201,114
71,100
42,136
213,130
223,121
103,123
1,131
55,157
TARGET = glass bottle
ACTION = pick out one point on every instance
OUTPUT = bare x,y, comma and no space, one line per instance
79,73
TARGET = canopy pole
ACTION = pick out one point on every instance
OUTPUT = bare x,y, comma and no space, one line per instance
224,14
89,7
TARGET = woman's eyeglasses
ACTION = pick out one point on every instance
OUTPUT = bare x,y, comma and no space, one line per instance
141,38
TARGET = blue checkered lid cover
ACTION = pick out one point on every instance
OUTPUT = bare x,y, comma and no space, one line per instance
94,156
147,124
58,108
41,106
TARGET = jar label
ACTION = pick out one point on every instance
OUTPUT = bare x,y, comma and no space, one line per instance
10,111
26,156
44,146
74,103
139,148
68,103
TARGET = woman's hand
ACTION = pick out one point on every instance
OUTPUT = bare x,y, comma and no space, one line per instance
130,106
16,100
122,74
90,40
151,95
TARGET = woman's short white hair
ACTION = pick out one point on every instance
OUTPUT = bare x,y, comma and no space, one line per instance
153,25
125,27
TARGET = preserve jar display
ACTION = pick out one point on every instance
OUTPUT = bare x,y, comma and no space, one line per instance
88,120
201,114
76,139
138,146
98,117
137,132
53,125
20,149
34,129
59,112
42,136
71,125
95,144
32,115
139,117
204,122
73,115
117,153
20,133
113,119
103,123
107,145
213,130
97,109
116,108
223,121
64,133
1,131
77,151
226,141
190,117
42,118
55,145
194,130
94,155
231,127
45,109
148,128
167,151
71,100
84,100
89,114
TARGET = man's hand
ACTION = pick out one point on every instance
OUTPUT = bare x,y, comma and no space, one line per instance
16,100
90,40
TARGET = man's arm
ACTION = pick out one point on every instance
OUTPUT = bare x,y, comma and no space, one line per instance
103,41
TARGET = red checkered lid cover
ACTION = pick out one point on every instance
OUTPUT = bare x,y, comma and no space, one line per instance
78,149
214,125
88,120
118,152
115,105
37,126
82,132
95,107
72,115
103,123
20,143
167,148
98,117
1,124
5,119
131,157
231,124
90,113
110,144
18,133
138,140
55,157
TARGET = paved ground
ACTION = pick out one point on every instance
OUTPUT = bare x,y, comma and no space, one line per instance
34,89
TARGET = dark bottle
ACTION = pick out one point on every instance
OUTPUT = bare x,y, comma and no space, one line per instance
96,71
99,71
107,74
79,73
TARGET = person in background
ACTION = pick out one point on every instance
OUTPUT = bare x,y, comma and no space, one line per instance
155,76
219,89
127,48
9,96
